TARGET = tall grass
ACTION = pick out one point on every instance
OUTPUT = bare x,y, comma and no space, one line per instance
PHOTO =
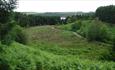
55,48
20,57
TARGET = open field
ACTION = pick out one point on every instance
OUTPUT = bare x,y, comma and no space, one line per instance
63,42
57,47
54,49
57,35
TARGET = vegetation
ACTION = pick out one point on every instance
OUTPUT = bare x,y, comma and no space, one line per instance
106,13
64,42
6,8
6,25
21,57
97,31
81,16
81,42
35,20
50,49
76,26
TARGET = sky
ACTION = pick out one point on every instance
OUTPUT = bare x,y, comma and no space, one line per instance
61,5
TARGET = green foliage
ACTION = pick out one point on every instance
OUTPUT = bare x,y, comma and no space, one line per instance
83,30
54,49
63,42
81,16
65,27
6,33
11,32
20,36
97,31
94,30
106,13
114,43
4,65
111,33
6,8
25,20
107,28
15,59
20,57
76,26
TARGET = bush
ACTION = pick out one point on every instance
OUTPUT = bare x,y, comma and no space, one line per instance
97,31
12,32
76,26
4,65
6,34
20,35
8,39
114,43
83,30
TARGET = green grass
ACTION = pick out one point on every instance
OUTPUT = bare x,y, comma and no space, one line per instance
56,48
63,42
21,57
85,25
64,27
112,30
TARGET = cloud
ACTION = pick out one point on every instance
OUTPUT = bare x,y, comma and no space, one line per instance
61,5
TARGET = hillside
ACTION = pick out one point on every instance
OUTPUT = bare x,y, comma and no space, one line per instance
21,57
63,42
50,48
57,35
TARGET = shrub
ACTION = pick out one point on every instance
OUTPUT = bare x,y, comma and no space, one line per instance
6,34
83,30
7,40
4,65
97,31
20,35
114,43
76,26
12,32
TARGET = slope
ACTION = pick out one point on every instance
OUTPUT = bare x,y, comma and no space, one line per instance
62,42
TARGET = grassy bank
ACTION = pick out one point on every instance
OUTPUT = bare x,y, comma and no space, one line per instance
56,48
20,57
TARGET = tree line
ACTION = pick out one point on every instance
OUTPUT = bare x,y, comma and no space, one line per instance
106,13
82,16
6,23
25,20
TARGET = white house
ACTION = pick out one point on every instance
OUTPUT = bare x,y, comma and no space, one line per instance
63,18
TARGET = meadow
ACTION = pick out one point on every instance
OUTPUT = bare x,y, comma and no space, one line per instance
56,47
57,40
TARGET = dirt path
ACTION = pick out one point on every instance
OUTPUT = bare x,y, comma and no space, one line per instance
77,35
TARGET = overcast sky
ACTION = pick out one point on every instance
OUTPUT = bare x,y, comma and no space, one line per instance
61,5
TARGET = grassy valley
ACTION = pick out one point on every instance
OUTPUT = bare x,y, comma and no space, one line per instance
65,42
55,48
56,40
